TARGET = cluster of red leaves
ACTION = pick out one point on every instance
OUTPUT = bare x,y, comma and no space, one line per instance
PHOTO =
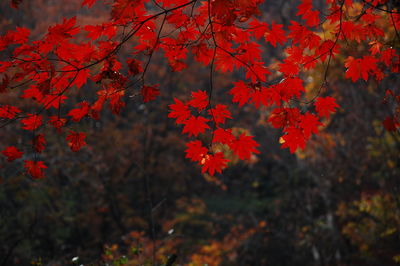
222,34
194,124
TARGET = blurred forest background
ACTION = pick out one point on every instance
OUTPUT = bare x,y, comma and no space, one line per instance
131,197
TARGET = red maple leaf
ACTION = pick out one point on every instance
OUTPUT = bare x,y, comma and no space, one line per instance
60,32
293,139
360,68
224,61
78,113
15,3
241,93
195,125
76,140
223,136
179,111
81,78
275,35
219,113
199,100
284,117
391,123
289,68
244,146
327,48
325,106
203,53
258,28
54,101
9,111
257,72
38,143
290,87
12,153
20,35
105,29
135,66
89,3
57,122
259,95
309,123
149,93
214,163
32,122
310,16
35,168
33,92
195,151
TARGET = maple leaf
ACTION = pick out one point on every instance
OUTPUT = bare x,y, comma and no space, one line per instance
195,125
275,35
32,122
35,168
38,143
219,113
388,55
177,65
78,113
289,68
257,72
258,29
214,163
9,111
15,3
33,92
223,136
76,140
241,93
149,93
284,117
224,61
81,78
390,123
244,146
309,123
290,87
327,48
60,32
199,100
88,3
57,122
249,52
293,139
359,68
4,84
310,16
12,153
20,35
105,29
116,103
325,106
135,66
180,111
195,151
259,96
54,101
203,53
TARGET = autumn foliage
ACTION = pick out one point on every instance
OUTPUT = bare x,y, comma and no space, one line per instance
219,132
224,36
